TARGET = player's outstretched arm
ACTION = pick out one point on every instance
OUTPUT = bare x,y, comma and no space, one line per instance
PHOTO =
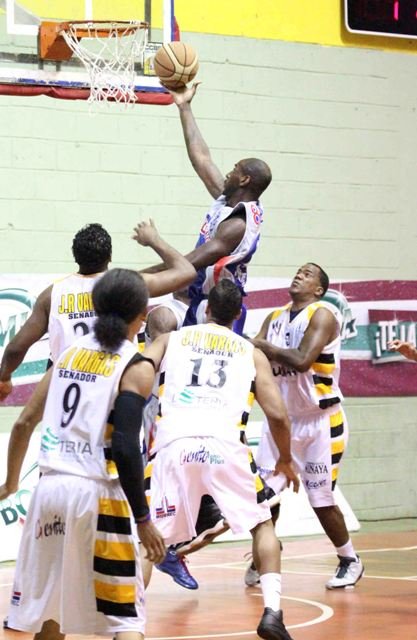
271,403
34,328
197,149
407,349
21,433
175,273
228,237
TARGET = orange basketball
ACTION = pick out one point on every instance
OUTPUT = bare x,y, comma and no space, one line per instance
176,64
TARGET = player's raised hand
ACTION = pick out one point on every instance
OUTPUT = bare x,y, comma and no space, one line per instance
145,233
185,94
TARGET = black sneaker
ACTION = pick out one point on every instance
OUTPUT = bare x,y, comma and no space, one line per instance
271,626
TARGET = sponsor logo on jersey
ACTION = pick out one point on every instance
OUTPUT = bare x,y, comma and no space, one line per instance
315,468
166,510
200,455
56,527
50,442
281,370
315,484
257,214
210,400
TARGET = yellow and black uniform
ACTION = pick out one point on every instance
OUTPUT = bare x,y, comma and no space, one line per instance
313,399
78,560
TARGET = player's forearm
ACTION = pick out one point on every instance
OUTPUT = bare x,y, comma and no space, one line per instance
194,141
290,357
22,431
281,433
170,256
12,358
18,445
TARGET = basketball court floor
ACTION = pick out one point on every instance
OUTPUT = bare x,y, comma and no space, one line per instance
383,606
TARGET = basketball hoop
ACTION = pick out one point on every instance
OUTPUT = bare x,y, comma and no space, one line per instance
108,50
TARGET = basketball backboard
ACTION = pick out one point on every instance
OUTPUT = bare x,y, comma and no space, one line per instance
22,72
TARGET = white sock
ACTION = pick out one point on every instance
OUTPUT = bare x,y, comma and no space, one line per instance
271,590
347,550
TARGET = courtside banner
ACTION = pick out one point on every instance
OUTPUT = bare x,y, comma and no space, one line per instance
371,313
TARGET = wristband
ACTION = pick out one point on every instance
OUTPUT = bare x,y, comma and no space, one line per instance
143,519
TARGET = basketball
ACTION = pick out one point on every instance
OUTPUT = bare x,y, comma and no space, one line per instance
176,64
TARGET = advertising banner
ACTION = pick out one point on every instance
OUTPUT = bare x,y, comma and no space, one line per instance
371,312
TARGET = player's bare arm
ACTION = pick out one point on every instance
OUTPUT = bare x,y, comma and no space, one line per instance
271,403
407,349
321,330
197,149
156,350
34,328
177,270
21,434
227,238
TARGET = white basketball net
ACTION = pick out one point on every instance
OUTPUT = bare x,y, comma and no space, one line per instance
109,61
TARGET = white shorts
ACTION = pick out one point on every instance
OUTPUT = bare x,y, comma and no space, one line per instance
317,445
188,468
78,562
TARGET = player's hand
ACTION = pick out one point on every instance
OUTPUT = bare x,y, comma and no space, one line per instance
5,491
405,348
287,469
263,345
6,388
184,95
146,234
152,541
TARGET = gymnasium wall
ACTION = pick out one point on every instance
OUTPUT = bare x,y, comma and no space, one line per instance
337,125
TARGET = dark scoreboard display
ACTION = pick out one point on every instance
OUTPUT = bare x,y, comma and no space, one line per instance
396,18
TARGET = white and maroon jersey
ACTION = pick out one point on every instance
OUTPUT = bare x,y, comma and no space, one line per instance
316,389
72,314
232,266
206,385
77,425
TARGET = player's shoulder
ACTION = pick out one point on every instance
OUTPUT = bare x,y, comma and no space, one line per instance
279,311
321,310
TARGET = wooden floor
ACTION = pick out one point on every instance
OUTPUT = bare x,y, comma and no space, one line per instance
382,607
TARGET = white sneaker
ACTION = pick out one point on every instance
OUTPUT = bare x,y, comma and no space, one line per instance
348,572
251,577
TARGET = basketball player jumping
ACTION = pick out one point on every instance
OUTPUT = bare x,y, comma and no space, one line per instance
230,231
